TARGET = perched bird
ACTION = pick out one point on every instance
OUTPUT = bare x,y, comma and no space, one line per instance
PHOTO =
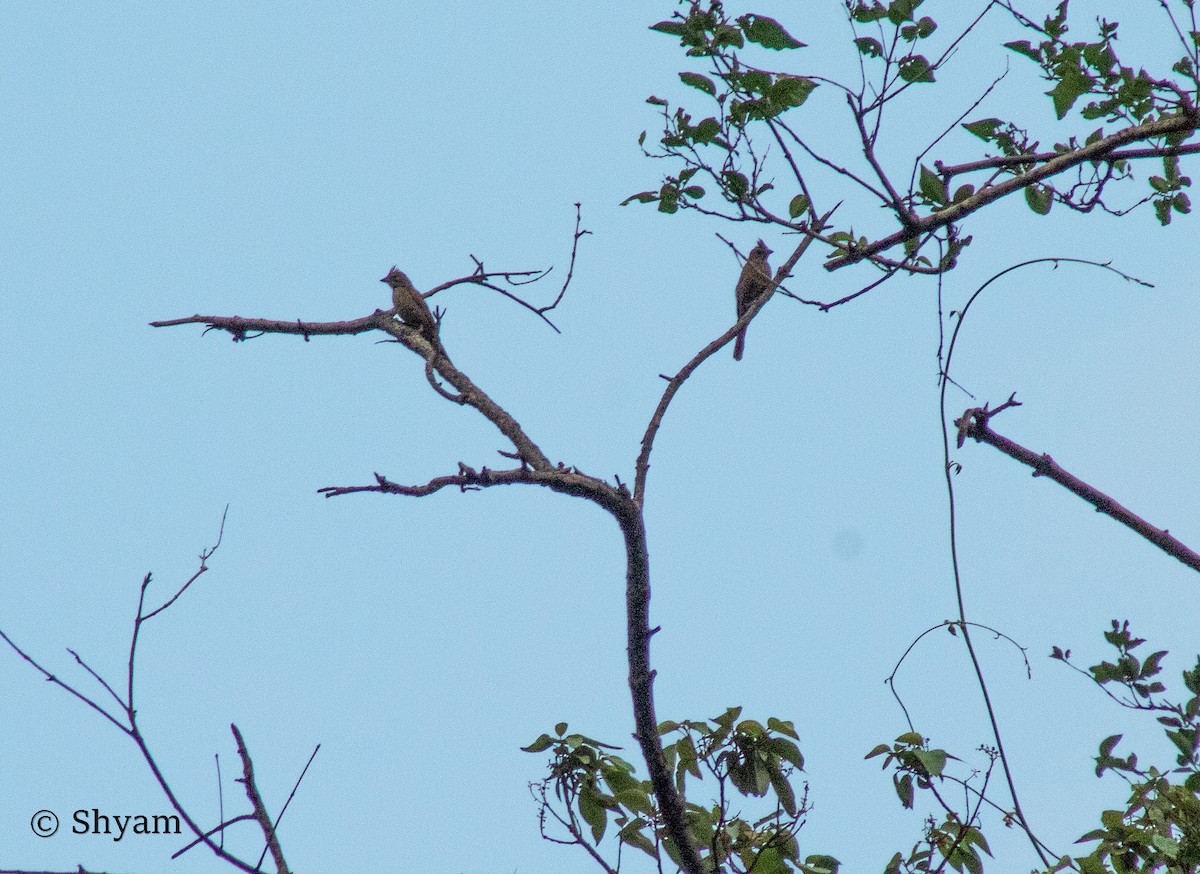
410,306
752,284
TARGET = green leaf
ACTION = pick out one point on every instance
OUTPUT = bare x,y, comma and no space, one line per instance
869,46
737,185
900,11
974,836
640,197
767,32
786,750
671,28
726,36
818,864
751,727
1023,47
1039,198
916,68
1109,744
689,760
668,199
933,760
695,192
783,791
704,83
1166,846
911,738
1150,666
593,812
962,193
784,726
770,861
1185,742
904,789
932,186
754,82
632,835
985,128
920,30
865,14
966,859
544,742
1055,26
618,779
706,131
790,91
1072,85
637,801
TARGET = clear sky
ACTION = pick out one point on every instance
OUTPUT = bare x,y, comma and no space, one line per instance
275,160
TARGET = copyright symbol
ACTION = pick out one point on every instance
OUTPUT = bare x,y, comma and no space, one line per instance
44,823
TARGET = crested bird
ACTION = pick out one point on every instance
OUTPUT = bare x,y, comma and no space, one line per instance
752,284
410,305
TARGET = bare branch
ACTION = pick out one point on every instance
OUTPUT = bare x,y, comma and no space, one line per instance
205,555
976,425
56,681
484,278
256,802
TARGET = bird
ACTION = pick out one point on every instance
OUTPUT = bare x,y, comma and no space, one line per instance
752,284
410,306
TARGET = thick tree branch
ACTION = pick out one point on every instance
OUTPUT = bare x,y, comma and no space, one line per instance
949,171
383,320
1183,123
975,424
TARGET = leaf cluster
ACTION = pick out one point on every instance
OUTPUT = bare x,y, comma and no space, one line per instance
1119,94
746,759
1159,827
760,113
956,840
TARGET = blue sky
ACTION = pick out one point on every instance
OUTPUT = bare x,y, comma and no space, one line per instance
220,158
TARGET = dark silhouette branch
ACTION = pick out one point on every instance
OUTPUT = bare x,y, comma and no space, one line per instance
127,721
535,469
949,171
976,425
949,470
1181,124
256,802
